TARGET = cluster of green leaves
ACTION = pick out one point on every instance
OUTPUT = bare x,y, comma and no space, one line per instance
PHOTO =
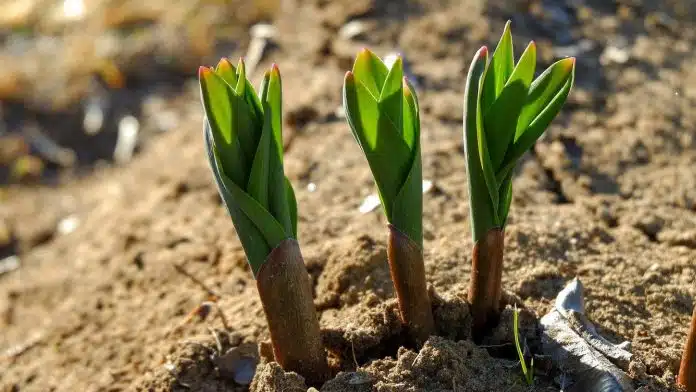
505,111
383,114
243,135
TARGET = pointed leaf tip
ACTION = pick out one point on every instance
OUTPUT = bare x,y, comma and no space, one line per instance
203,71
483,51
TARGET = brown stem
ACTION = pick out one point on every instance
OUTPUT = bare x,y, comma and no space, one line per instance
286,295
408,274
485,287
687,370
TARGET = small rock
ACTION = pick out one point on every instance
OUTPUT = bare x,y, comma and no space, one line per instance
239,363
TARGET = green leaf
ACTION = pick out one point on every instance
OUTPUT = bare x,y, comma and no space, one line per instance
255,245
275,103
391,98
543,90
524,70
258,187
387,153
272,232
411,104
538,126
500,121
292,206
240,88
482,210
273,110
371,71
408,205
227,72
505,199
218,100
484,156
499,70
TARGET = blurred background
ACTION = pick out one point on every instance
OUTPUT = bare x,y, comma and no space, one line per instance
99,99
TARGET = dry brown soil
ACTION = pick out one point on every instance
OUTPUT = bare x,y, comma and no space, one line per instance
608,195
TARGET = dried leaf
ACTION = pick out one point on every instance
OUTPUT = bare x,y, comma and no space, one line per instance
578,350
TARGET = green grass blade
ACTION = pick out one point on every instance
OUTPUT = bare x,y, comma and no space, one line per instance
218,100
387,153
515,322
292,205
408,205
481,208
542,91
371,71
255,246
499,70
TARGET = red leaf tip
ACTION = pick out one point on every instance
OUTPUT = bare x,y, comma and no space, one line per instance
202,71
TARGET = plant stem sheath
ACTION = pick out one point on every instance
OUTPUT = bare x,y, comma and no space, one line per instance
485,288
408,274
687,370
286,295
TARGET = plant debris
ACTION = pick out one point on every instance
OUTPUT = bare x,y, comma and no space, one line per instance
579,351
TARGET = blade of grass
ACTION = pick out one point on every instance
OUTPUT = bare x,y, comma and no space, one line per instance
528,376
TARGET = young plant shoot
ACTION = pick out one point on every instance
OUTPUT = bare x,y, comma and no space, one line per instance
687,370
382,111
505,111
243,139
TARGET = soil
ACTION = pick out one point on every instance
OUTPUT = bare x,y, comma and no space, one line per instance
131,276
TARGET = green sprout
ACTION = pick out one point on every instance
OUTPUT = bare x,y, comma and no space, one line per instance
505,111
528,373
243,139
383,114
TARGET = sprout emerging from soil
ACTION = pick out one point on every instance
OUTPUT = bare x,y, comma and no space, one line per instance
243,138
505,112
687,370
382,111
